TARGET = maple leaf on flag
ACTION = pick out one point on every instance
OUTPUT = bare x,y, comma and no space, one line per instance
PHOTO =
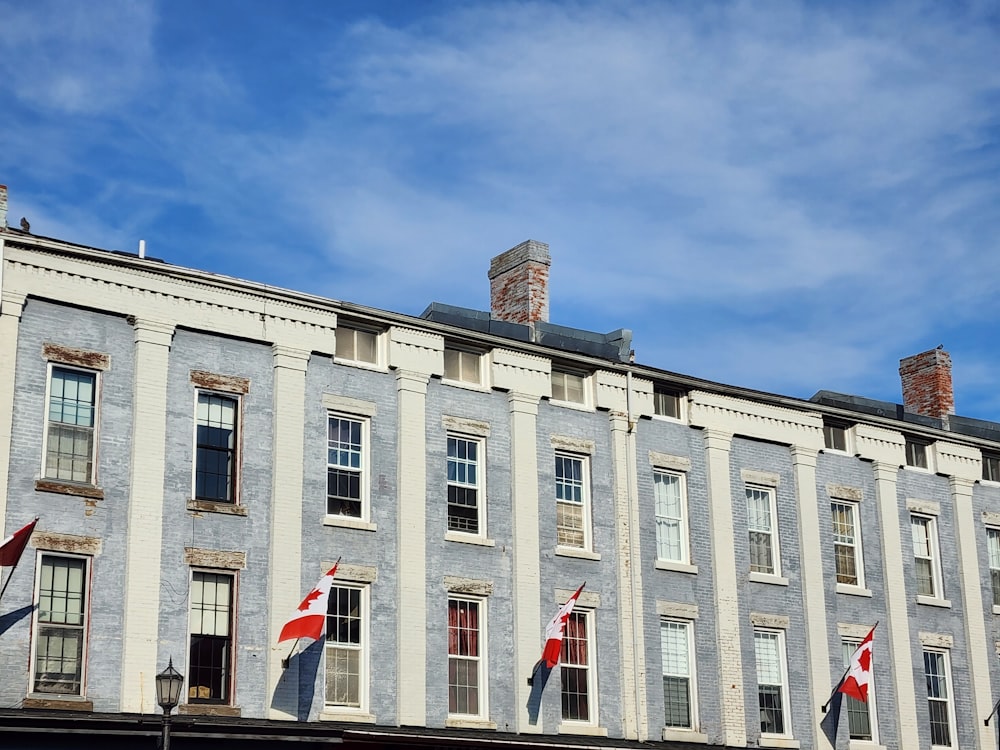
310,597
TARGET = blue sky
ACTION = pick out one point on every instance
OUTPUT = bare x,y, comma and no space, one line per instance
788,196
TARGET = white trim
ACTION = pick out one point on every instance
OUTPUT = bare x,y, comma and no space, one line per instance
378,364
479,467
856,545
852,640
585,504
949,686
347,405
482,367
929,523
363,520
593,702
364,658
92,481
482,659
772,501
782,665
586,386
692,674
682,520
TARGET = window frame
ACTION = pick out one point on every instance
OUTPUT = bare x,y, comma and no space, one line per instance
682,520
481,660
479,485
993,563
362,648
929,522
588,616
585,395
848,645
354,331
237,467
833,427
782,666
857,549
774,537
51,367
584,504
229,683
462,355
37,624
991,467
661,395
363,471
691,676
949,699
917,459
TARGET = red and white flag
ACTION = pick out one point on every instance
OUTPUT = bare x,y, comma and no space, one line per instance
859,675
556,628
310,618
12,547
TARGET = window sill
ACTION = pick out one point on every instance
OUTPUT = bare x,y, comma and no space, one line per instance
996,609
349,522
458,536
921,469
61,703
69,488
665,418
586,730
480,387
851,590
788,742
214,506
864,745
933,601
672,734
571,405
208,709
361,365
582,554
767,578
332,713
677,567
470,723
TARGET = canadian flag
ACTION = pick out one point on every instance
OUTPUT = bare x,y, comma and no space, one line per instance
859,675
310,618
555,629
12,547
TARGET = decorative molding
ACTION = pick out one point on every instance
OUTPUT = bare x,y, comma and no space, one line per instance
214,558
843,492
419,351
587,599
763,478
761,620
352,573
68,355
215,382
518,372
755,420
336,402
679,610
573,445
956,460
852,630
936,640
69,488
52,541
879,444
667,461
216,506
611,390
466,426
991,518
925,507
474,586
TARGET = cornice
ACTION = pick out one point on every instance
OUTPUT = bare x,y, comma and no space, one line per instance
755,420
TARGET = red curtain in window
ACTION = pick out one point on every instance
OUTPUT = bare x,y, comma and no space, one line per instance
463,628
574,648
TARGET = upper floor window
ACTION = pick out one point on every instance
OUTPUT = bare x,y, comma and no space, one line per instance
465,502
991,467
346,647
466,652
463,366
762,524
847,543
678,674
671,516
568,386
993,549
211,653
357,345
772,687
666,403
834,435
61,625
925,555
70,446
939,702
579,693
860,715
217,447
345,465
916,453
572,501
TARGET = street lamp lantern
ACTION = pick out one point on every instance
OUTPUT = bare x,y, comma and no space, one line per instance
168,694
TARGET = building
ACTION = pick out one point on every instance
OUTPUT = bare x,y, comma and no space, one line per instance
200,449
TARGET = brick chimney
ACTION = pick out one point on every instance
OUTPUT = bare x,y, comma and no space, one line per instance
926,382
519,283
3,206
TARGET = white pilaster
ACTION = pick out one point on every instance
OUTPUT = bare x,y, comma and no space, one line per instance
11,305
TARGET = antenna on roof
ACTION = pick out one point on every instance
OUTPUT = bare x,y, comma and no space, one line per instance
142,248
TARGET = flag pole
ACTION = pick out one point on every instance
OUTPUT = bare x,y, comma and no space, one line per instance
18,561
843,677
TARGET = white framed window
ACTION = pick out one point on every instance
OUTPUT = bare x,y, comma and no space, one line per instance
347,466
993,550
762,525
861,724
466,499
926,555
576,662
666,403
346,648
677,650
940,707
916,453
467,657
357,345
670,497
569,387
991,467
71,425
210,653
217,447
834,435
772,683
62,593
463,366
572,501
848,560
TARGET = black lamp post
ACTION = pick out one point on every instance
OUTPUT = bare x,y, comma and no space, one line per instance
168,694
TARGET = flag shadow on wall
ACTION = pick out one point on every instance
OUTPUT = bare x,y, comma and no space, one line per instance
10,619
296,689
832,719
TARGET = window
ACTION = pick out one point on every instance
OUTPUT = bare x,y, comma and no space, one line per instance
572,513
678,682
939,706
993,547
462,365
61,625
356,345
210,662
991,467
69,435
464,491
772,692
859,714
762,525
346,658
666,403
578,692
671,516
345,470
847,544
216,447
466,648
916,453
925,552
834,435
567,386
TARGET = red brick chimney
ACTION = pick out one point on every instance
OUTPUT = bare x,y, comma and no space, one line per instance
926,382
519,283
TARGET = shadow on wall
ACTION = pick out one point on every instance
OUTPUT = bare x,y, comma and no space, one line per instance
8,620
297,687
